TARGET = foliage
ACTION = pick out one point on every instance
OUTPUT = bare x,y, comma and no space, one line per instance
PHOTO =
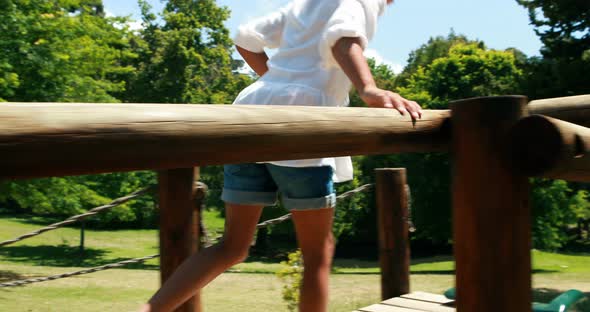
292,276
435,48
580,206
564,28
186,59
69,196
469,70
61,51
551,204
562,25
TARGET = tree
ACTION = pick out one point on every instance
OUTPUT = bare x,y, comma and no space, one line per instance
67,51
562,25
62,51
435,48
564,28
188,58
469,70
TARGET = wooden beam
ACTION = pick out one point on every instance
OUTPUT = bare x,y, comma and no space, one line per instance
575,109
48,139
179,203
491,216
392,221
551,148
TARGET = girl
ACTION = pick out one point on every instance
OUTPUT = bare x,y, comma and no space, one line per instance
319,53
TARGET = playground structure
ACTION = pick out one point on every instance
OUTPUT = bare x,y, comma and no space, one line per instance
495,148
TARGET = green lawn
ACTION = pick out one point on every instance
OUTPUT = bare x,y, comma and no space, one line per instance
251,286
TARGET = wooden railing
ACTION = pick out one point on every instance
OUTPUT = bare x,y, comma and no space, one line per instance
490,188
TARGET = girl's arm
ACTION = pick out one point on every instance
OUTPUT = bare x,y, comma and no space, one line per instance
348,52
257,61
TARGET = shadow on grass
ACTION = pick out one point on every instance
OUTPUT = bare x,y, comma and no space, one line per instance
545,295
64,256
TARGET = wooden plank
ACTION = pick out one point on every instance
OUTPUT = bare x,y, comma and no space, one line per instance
491,212
392,222
385,308
424,296
49,139
418,305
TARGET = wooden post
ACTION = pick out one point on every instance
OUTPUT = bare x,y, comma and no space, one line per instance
179,224
491,214
82,228
392,220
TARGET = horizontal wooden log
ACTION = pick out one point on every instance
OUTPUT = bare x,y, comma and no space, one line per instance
574,109
547,147
47,139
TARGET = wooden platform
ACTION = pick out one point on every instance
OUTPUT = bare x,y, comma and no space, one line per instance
416,301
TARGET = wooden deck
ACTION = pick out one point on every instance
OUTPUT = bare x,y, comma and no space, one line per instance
416,301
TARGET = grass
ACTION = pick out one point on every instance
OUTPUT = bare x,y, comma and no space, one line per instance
250,286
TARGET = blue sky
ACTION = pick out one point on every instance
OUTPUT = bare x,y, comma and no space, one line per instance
406,25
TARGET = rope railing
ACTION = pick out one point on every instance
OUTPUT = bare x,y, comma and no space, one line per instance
93,211
87,271
116,203
339,197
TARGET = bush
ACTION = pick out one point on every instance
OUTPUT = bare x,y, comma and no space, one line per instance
292,276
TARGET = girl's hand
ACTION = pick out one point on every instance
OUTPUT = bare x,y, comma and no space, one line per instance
375,97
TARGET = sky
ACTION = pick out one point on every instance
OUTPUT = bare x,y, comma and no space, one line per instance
405,26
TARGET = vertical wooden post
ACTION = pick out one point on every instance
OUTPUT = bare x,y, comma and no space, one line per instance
392,220
491,214
179,224
82,228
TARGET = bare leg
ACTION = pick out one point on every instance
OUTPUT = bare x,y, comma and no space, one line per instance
315,238
202,267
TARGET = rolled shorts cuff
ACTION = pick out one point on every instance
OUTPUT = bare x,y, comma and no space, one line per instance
249,197
328,201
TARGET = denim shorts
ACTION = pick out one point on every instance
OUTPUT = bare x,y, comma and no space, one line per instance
301,188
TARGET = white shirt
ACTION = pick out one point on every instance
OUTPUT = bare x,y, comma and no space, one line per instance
303,71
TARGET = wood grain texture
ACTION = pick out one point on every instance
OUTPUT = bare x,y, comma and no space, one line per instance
416,301
46,139
551,148
491,214
179,203
418,305
392,222
428,297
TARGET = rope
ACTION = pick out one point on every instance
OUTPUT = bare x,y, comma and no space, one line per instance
64,275
136,260
77,218
359,189
339,197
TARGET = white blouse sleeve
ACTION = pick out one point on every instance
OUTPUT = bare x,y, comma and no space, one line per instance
264,32
349,20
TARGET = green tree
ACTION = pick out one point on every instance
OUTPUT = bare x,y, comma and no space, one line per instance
469,70
187,59
68,51
552,212
564,28
62,51
435,48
